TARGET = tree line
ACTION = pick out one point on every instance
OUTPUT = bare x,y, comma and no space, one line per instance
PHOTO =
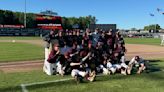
152,27
17,18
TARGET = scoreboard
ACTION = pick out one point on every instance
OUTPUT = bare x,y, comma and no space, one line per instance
49,22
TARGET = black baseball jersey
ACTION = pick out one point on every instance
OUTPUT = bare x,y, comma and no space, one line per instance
69,40
61,41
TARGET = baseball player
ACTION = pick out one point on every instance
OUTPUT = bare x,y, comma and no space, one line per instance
52,65
49,39
137,62
78,72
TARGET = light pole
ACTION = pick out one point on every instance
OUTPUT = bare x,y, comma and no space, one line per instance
155,27
25,14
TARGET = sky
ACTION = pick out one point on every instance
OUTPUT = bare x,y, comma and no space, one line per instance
126,14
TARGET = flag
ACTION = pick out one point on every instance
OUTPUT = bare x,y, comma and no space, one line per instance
151,14
158,9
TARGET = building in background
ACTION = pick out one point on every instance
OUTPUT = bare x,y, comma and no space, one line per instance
104,27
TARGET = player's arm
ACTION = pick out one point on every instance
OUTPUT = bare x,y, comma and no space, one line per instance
46,38
74,64
52,55
71,55
83,59
82,42
132,61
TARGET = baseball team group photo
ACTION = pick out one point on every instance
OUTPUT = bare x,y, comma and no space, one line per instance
81,46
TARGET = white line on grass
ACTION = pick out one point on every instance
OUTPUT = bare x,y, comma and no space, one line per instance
24,89
24,86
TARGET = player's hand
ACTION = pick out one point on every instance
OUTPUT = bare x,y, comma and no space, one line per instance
58,52
71,55
77,52
89,54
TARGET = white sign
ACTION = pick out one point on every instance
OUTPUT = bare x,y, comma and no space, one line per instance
49,24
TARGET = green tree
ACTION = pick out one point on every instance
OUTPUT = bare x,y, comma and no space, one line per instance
8,17
31,23
11,18
92,19
1,17
133,29
20,17
152,27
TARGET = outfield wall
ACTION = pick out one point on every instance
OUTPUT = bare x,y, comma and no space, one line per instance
22,32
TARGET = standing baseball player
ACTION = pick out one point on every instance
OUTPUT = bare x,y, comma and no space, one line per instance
162,39
52,65
49,39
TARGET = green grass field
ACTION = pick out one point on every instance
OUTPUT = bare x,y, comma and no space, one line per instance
10,82
146,82
19,38
20,51
147,41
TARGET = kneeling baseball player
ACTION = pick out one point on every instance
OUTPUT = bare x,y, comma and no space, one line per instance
79,70
139,63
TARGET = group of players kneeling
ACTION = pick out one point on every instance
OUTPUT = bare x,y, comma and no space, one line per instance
84,56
